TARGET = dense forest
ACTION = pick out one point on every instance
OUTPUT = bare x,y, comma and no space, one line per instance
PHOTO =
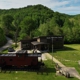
2,38
39,20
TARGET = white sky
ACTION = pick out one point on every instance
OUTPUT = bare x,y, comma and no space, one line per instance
71,7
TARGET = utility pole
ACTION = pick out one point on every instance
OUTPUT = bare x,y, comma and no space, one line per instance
52,48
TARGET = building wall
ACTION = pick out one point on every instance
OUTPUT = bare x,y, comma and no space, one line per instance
25,45
56,41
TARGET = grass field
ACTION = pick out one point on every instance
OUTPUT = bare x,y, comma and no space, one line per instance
69,56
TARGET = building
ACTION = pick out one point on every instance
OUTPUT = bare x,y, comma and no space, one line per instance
43,43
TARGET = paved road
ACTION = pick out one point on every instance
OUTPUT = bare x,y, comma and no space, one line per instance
9,43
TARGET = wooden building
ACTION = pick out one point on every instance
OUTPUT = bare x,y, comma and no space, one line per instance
56,41
43,43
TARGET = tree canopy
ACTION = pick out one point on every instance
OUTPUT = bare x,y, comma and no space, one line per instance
2,38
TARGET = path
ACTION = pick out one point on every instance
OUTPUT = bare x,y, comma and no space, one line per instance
9,43
71,70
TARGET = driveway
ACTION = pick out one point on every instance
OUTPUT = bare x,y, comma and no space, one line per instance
9,43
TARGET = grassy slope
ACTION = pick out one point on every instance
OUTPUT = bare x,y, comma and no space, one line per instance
69,56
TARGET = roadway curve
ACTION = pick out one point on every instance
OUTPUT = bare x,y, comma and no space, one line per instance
8,44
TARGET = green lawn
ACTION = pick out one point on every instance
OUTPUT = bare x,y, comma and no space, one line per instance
25,75
5,51
69,56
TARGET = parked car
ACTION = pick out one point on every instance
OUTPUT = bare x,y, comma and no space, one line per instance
11,49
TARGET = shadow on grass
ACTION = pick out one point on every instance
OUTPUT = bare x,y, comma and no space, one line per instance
46,71
63,49
68,48
41,71
51,70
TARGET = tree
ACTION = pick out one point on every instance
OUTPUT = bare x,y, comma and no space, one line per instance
58,19
68,35
16,24
23,36
36,33
54,28
2,38
7,23
67,23
28,25
76,34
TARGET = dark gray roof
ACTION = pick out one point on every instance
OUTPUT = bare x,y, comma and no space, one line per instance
21,51
35,55
38,43
9,54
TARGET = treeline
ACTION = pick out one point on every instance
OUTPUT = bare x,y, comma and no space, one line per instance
38,20
2,38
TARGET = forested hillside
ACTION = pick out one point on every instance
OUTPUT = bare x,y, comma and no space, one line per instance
2,38
38,20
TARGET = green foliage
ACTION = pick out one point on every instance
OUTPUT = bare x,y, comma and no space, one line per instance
2,38
22,36
7,23
68,37
35,33
43,28
76,34
27,25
